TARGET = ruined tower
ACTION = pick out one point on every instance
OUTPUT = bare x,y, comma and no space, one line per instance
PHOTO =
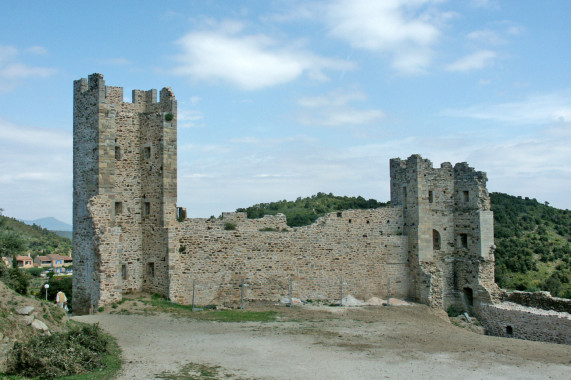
449,225
125,189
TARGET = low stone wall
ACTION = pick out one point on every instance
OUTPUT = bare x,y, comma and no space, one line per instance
511,320
364,248
541,300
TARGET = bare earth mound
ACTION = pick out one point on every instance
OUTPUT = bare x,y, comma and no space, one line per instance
368,342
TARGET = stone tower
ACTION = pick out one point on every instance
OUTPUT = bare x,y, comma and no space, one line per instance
125,189
449,225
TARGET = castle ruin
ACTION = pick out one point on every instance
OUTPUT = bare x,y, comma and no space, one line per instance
433,245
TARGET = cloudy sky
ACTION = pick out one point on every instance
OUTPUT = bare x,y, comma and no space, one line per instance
281,99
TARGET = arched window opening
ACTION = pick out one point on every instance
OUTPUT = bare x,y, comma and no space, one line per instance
469,293
436,244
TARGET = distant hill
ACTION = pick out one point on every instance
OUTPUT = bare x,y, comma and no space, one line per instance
38,240
50,223
533,240
65,234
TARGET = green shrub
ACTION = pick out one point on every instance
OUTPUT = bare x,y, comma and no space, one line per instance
34,272
169,116
229,226
79,350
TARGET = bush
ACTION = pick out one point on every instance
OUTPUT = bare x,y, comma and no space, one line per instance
34,272
229,226
79,350
169,116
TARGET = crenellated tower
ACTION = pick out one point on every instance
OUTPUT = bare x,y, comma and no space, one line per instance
449,225
125,189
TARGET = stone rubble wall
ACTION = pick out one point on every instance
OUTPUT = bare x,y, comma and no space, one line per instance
365,248
541,300
511,320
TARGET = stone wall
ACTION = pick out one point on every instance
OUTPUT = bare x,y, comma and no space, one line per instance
124,191
365,248
541,300
449,224
511,320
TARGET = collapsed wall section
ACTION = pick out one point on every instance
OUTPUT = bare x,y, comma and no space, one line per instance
359,249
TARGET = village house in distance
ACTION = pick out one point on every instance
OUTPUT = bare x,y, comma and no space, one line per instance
433,245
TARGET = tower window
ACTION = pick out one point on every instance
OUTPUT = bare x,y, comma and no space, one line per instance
124,271
435,240
151,270
146,209
463,240
147,153
430,196
465,196
117,152
404,197
118,208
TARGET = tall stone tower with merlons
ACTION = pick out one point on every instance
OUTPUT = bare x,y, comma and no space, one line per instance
450,230
125,190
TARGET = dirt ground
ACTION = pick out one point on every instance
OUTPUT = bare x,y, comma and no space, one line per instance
311,342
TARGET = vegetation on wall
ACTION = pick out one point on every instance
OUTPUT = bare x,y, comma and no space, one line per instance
533,240
305,211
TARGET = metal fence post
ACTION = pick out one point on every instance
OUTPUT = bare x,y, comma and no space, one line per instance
389,293
193,285
340,291
242,295
290,297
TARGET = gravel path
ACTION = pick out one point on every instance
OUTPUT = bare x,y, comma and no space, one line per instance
401,343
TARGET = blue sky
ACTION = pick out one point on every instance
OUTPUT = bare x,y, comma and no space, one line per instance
280,99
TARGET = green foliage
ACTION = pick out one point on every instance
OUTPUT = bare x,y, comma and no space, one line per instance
16,237
305,211
15,278
533,250
34,272
19,281
78,350
229,226
169,116
57,283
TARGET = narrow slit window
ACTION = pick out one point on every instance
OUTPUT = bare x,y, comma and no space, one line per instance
465,196
463,240
117,153
151,270
436,240
404,197
147,153
124,272
146,209
430,196
118,208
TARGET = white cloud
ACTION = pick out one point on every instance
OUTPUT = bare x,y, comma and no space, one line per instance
189,118
535,109
395,27
486,36
12,71
251,62
475,61
35,171
334,109
40,50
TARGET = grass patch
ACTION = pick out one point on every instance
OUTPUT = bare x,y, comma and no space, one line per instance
196,371
161,304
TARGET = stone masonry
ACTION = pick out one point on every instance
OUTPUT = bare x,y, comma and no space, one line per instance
433,245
